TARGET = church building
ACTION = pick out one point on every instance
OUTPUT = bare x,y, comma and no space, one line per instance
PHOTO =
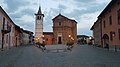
64,30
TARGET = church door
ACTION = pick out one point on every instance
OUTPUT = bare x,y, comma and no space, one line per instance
59,40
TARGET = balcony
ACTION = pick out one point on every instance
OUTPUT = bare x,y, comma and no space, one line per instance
6,30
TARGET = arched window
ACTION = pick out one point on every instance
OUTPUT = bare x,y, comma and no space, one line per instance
38,17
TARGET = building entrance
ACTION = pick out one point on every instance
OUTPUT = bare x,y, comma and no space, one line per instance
59,40
106,41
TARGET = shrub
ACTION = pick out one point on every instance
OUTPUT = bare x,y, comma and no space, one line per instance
40,44
70,44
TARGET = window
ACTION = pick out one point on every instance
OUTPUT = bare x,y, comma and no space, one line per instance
59,23
112,34
8,26
110,20
104,24
119,33
118,13
111,37
38,17
3,22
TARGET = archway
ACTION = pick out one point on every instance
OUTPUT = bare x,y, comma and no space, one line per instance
106,41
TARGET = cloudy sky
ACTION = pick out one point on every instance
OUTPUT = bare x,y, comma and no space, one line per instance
85,12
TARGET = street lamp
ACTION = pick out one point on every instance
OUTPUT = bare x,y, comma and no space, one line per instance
43,38
72,38
36,39
69,36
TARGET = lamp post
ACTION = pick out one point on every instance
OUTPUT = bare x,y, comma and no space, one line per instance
90,40
43,39
69,37
38,39
113,35
43,43
72,39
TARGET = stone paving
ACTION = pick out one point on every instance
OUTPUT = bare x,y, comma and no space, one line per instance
80,56
56,48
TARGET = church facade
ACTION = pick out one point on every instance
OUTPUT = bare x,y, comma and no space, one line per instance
64,30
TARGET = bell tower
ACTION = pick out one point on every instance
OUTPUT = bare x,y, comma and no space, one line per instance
39,26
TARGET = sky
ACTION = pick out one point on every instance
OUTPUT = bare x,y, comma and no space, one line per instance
85,12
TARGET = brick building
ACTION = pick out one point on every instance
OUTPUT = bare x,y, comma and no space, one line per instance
64,30
48,38
108,25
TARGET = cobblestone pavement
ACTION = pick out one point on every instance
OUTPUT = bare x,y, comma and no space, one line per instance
80,56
